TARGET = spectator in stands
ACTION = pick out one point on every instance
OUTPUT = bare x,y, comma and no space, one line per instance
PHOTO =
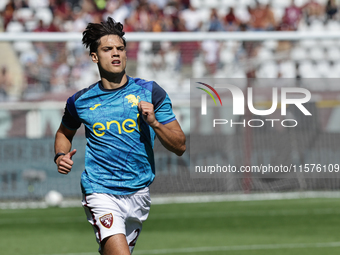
231,23
60,77
156,18
61,8
169,25
185,4
291,17
331,9
90,13
211,50
215,23
141,18
312,10
8,12
157,24
44,71
128,25
5,82
118,10
269,20
246,51
79,21
75,4
56,25
41,27
31,76
257,17
131,47
159,3
173,13
85,14
262,18
191,18
21,4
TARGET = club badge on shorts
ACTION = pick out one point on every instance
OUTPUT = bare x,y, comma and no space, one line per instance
106,220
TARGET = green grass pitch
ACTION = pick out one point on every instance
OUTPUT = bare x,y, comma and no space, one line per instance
299,226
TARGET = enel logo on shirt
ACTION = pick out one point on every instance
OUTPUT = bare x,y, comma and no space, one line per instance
99,128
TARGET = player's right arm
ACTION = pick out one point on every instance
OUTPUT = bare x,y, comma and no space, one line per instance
62,145
63,138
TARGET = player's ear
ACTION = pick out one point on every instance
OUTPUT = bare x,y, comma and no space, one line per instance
94,57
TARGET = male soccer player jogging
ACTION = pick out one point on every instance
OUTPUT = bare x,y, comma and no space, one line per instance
122,115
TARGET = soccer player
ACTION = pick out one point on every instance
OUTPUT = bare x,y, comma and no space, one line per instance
122,116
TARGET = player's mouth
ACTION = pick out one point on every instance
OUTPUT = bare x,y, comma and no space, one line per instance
116,62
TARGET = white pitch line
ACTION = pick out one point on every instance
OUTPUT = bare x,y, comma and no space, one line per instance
81,253
243,197
224,248
239,248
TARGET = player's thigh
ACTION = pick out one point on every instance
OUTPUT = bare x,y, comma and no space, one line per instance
140,204
133,229
115,245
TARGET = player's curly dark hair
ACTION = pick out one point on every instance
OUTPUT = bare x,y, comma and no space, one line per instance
94,31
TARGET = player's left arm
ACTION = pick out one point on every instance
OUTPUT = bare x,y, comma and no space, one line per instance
170,134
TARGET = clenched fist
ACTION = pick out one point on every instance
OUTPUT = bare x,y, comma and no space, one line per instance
147,112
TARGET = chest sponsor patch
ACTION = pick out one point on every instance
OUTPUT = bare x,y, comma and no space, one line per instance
106,220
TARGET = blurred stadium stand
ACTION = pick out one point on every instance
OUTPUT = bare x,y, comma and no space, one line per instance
51,71
55,67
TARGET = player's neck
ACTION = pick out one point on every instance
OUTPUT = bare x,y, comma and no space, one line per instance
114,82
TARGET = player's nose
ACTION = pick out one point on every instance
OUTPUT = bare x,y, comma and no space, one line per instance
115,52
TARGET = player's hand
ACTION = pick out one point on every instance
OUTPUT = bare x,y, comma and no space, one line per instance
65,162
147,112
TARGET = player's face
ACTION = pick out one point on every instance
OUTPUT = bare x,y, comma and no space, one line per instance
110,55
